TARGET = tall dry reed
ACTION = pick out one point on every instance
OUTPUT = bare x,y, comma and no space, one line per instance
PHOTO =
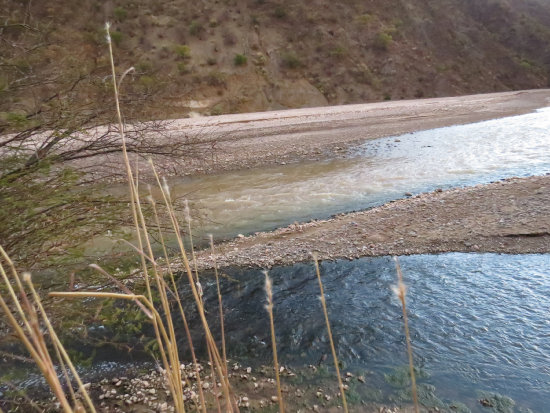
269,308
154,275
329,330
401,291
27,317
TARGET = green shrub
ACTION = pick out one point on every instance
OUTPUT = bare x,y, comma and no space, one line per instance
116,37
383,41
144,67
526,64
290,60
216,111
338,51
364,18
240,60
14,119
195,29
183,69
215,79
182,51
120,13
280,12
363,74
147,83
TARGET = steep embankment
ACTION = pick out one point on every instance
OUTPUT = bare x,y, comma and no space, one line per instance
217,56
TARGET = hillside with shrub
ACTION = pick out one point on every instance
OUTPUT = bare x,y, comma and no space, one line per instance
215,56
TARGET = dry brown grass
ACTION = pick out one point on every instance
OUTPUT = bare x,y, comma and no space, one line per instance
155,275
27,317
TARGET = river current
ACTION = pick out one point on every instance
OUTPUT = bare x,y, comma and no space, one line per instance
479,322
372,174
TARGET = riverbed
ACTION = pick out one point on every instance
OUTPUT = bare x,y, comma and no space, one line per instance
372,174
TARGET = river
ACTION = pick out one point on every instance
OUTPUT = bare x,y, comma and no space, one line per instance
479,322
372,174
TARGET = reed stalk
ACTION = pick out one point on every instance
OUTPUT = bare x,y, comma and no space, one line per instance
329,330
269,308
26,320
165,336
210,342
220,302
178,301
60,350
401,292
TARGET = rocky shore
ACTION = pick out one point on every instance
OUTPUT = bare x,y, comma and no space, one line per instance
252,390
251,140
509,216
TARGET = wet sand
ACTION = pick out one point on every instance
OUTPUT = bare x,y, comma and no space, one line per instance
511,216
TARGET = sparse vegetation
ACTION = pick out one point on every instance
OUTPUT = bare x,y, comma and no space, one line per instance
338,52
117,37
280,12
183,69
120,13
216,78
196,28
365,18
148,31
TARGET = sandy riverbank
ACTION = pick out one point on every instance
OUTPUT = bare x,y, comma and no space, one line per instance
232,142
512,216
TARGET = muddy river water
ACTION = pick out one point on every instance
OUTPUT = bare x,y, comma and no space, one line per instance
372,174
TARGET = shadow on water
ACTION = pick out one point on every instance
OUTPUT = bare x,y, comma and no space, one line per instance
479,322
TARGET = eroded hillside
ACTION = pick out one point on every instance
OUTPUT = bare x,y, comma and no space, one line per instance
215,56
